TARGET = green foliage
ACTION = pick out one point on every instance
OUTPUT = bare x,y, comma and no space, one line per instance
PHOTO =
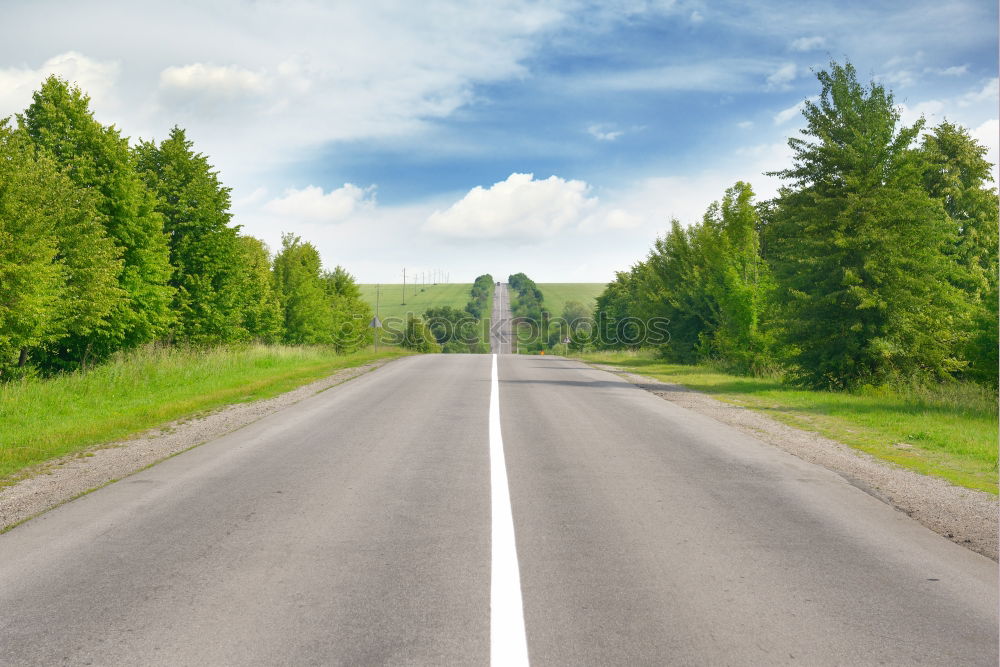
527,302
737,283
301,289
708,282
203,248
481,290
418,337
857,245
875,266
575,314
958,175
350,315
58,270
260,306
97,158
455,330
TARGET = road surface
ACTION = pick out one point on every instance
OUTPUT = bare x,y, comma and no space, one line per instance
364,525
501,336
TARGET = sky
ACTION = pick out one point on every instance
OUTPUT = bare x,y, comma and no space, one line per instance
556,138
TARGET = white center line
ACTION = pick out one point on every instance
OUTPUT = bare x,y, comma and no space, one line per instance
508,645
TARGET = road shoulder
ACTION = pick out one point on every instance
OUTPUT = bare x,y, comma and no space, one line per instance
965,516
55,482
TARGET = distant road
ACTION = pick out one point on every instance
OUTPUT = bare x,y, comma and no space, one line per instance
501,336
358,527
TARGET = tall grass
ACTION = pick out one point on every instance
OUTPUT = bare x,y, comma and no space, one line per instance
41,419
948,430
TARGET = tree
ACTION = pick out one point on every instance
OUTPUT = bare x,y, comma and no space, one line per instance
737,283
300,287
417,336
480,292
350,315
958,175
857,246
98,159
58,270
259,305
195,209
575,314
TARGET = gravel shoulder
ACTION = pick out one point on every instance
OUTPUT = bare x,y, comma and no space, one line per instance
61,480
965,516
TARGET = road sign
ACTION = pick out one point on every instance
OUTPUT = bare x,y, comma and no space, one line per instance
376,323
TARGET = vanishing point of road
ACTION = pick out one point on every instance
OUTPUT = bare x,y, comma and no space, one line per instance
458,509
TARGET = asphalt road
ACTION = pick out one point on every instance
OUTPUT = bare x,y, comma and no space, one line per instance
354,528
501,337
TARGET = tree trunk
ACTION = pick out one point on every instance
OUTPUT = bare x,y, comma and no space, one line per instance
23,358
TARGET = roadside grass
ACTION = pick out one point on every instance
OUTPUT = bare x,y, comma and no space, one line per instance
555,295
455,295
42,419
948,431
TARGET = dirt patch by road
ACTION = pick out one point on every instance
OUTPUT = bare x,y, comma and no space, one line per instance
964,516
52,483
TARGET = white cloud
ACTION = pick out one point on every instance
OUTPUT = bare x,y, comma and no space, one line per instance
696,17
745,124
311,204
988,134
95,77
791,112
808,43
519,209
957,70
604,132
988,93
781,77
225,81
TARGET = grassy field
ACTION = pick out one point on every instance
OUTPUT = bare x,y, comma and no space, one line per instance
433,296
45,419
557,294
948,432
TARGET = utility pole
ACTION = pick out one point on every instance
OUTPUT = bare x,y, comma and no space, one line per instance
404,285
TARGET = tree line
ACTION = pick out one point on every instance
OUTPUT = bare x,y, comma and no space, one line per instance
458,331
105,246
875,264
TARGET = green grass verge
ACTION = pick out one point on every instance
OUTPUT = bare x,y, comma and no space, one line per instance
431,296
948,431
556,295
46,419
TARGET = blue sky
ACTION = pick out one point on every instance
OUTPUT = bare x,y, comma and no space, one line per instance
555,138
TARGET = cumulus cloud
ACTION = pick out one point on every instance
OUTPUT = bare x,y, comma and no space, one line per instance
518,209
781,77
808,43
95,77
311,204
